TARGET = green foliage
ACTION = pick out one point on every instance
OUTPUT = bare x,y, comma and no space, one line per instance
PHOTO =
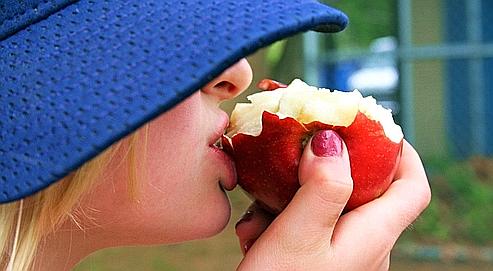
274,53
368,20
460,208
430,224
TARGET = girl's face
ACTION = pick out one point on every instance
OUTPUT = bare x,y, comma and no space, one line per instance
181,176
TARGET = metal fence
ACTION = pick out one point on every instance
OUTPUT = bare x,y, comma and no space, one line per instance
466,37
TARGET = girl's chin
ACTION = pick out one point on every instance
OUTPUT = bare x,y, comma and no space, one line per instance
208,219
199,225
213,220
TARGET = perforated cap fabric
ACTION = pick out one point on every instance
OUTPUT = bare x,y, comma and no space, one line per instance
76,76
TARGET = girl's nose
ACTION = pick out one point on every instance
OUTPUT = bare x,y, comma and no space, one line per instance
231,82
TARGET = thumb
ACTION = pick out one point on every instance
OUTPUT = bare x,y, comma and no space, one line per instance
326,185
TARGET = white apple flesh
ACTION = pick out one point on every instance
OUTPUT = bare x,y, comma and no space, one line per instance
266,139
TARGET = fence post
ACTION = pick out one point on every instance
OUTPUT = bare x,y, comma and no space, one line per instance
476,73
406,70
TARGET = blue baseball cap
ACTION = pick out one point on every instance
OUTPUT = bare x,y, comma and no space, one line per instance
76,76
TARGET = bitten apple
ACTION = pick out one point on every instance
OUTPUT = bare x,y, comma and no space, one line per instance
266,139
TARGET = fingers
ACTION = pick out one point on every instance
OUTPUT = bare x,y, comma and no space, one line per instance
380,222
410,194
252,225
326,184
385,264
310,234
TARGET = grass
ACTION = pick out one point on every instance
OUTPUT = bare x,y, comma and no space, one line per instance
462,193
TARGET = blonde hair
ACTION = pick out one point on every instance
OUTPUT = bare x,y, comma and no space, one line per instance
22,230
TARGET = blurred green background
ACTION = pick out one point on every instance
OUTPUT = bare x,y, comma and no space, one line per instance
428,60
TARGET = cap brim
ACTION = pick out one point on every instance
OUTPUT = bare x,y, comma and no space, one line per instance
93,72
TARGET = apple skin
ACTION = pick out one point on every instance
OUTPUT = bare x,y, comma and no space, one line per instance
267,164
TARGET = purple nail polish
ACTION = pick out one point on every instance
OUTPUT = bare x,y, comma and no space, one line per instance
326,143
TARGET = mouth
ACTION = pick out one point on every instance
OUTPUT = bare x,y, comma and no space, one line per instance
222,124
227,181
218,144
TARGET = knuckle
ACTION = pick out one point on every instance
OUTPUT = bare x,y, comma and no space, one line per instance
425,196
422,192
300,245
333,190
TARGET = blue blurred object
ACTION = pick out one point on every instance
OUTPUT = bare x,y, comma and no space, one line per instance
335,76
461,108
376,75
379,75
487,22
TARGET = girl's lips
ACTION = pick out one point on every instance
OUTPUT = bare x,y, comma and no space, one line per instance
222,124
228,179
228,182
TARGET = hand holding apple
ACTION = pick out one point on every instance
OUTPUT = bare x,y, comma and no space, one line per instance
310,234
266,140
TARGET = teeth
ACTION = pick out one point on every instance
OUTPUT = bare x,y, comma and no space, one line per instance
218,144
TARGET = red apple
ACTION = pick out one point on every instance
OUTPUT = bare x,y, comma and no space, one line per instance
266,139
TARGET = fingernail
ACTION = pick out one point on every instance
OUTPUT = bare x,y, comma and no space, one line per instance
326,143
268,84
245,218
248,244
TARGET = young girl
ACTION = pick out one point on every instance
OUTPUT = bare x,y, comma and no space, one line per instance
108,132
